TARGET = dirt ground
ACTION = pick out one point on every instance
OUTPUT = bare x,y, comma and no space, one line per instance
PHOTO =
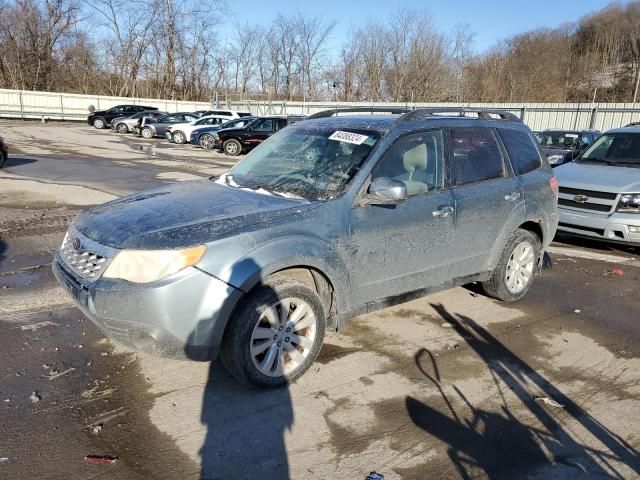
454,385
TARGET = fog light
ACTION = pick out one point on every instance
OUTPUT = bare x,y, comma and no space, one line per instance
634,229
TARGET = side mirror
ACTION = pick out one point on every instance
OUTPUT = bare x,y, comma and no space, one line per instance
387,191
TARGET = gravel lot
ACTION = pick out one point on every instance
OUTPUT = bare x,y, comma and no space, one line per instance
454,385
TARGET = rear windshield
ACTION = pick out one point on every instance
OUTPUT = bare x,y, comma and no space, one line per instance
615,149
560,140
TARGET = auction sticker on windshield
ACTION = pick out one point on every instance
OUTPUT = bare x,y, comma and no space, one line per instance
348,137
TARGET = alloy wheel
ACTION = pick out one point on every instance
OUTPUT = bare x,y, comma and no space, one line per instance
283,337
520,267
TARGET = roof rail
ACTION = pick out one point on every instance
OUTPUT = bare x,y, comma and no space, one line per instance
483,113
372,109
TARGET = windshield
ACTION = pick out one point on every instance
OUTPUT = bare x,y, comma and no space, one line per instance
561,140
307,162
615,148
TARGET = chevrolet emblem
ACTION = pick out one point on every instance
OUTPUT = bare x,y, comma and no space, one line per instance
580,198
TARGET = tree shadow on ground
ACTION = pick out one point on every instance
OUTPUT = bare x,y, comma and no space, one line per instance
498,444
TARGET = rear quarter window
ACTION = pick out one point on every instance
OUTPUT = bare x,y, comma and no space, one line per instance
522,151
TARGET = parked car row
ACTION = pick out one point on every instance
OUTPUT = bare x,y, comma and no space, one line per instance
229,131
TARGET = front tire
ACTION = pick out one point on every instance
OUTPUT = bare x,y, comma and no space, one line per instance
122,128
275,335
147,133
232,147
179,137
3,158
99,123
513,276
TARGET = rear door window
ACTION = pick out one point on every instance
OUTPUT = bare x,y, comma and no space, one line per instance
280,123
522,150
265,125
476,156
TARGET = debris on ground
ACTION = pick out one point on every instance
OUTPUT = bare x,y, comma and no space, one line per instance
446,325
100,459
35,398
55,374
577,310
548,401
7,400
616,271
96,430
4,459
374,476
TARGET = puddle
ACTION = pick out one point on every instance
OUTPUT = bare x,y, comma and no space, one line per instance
21,279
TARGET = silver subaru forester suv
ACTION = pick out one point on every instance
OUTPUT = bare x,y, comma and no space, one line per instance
600,191
332,217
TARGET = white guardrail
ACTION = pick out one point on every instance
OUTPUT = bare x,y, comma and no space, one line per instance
27,104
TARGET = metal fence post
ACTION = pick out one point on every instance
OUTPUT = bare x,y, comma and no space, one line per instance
523,111
21,105
594,115
61,107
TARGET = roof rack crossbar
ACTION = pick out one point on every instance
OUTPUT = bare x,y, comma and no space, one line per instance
483,113
372,109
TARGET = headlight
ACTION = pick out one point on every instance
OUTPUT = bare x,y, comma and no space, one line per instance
555,159
144,266
629,203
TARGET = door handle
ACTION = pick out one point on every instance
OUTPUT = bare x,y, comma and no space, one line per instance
512,197
442,211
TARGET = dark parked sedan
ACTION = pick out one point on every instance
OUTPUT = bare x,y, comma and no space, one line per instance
205,136
102,119
563,146
4,152
234,141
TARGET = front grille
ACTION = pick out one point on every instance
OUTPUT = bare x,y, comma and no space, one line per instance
589,193
597,207
82,261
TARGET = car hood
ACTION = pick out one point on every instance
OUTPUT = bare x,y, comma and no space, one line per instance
603,178
184,214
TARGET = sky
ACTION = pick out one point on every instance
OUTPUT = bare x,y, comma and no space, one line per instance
491,20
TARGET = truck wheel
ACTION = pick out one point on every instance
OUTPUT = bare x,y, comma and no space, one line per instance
99,123
179,137
147,133
232,147
513,276
3,158
122,128
275,335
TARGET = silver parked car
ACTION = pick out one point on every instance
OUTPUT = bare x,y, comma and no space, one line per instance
600,191
127,124
329,218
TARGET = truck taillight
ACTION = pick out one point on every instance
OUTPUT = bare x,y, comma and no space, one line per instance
553,183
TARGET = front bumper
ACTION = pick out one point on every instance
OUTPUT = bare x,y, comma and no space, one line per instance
611,228
182,316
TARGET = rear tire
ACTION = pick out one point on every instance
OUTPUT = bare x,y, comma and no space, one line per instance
513,275
122,128
99,123
265,345
3,158
232,147
179,137
147,133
